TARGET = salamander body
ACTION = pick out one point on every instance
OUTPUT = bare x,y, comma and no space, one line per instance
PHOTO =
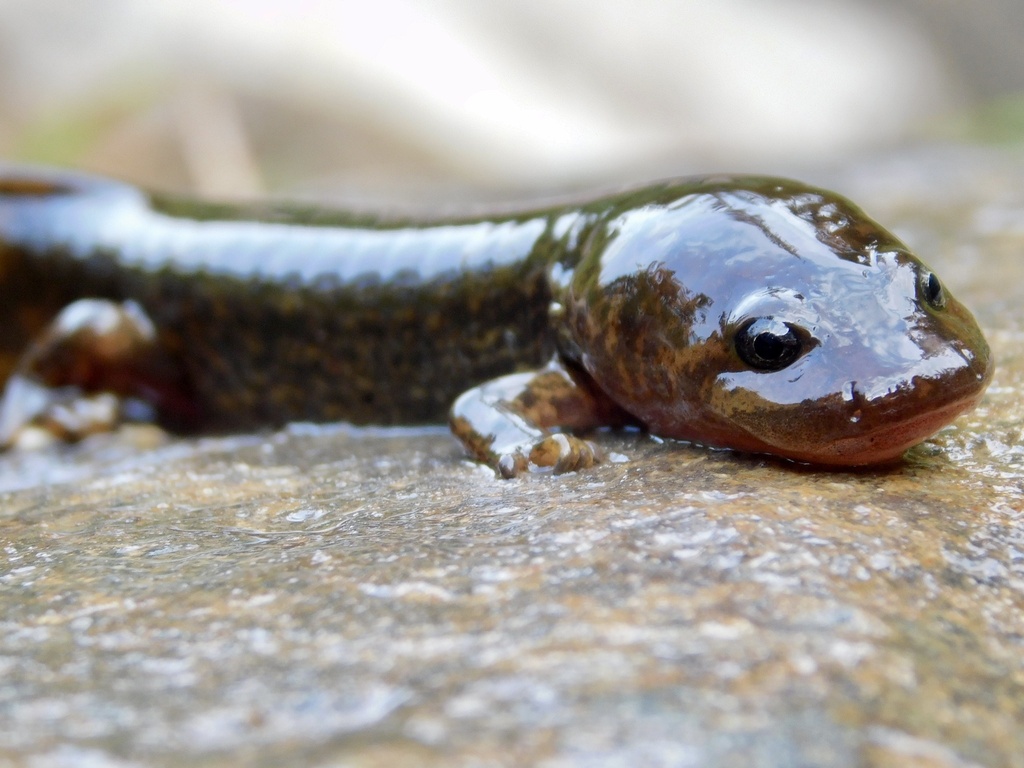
745,312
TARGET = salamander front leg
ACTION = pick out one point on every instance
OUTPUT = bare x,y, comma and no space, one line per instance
94,366
514,423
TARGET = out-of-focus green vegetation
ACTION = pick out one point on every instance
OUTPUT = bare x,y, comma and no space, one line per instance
1000,121
67,135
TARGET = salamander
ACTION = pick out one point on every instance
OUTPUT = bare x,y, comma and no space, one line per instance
752,313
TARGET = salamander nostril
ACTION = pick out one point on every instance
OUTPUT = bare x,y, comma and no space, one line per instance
853,396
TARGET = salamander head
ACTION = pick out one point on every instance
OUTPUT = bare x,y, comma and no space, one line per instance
764,315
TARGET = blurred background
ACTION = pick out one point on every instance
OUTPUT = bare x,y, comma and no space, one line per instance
405,100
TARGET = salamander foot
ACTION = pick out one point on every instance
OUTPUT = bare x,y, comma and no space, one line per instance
509,423
94,367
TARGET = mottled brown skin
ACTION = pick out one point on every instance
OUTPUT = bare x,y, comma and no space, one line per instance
751,313
654,317
256,349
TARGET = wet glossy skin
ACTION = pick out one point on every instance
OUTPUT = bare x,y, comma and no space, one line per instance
655,305
750,313
270,315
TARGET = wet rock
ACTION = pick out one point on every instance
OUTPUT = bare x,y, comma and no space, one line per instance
329,595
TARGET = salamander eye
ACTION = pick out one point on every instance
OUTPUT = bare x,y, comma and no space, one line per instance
931,290
767,344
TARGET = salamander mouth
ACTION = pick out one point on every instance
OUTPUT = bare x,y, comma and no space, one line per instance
886,444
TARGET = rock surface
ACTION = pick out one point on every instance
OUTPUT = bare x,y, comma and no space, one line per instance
332,596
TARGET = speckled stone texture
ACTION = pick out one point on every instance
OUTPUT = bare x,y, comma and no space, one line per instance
331,596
